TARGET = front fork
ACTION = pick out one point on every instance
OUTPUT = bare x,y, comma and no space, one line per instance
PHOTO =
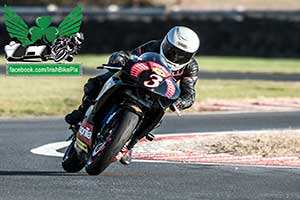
145,127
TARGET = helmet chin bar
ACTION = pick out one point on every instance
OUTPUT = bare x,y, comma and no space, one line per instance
173,66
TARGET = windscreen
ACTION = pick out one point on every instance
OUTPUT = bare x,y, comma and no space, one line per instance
155,57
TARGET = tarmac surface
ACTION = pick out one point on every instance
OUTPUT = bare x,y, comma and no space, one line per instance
24,175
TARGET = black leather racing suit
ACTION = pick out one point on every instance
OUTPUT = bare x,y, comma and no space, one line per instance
187,76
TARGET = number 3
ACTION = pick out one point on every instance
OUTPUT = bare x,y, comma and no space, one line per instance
154,82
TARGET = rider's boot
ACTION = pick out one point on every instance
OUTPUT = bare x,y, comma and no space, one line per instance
76,116
126,159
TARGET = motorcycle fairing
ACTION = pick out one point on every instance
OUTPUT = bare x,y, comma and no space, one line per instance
111,82
155,77
85,132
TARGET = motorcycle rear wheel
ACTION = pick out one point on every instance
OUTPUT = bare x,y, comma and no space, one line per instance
128,121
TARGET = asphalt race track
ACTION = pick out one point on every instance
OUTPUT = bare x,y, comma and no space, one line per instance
27,176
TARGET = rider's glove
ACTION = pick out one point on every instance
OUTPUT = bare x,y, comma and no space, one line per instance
118,58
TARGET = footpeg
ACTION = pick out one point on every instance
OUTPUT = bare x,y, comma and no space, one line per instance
150,137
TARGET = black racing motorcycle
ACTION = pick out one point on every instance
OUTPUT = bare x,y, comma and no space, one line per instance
136,90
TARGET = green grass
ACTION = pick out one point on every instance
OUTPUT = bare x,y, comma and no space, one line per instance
39,96
91,60
220,89
215,64
2,60
236,64
57,96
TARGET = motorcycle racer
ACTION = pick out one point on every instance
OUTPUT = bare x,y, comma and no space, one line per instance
178,48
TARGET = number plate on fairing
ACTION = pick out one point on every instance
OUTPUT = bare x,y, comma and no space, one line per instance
85,132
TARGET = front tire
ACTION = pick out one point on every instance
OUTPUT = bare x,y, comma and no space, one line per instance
60,54
127,123
69,59
71,163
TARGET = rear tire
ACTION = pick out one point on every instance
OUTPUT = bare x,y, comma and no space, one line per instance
71,163
127,123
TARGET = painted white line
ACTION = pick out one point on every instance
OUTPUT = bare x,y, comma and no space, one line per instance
225,132
215,164
51,149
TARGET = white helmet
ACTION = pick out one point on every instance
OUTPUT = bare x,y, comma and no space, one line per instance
79,38
179,46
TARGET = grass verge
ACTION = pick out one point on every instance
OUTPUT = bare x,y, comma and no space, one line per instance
248,89
57,96
39,96
254,65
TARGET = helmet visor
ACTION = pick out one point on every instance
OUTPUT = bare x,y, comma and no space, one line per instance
175,54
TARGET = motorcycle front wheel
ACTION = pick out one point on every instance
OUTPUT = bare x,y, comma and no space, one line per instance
60,54
71,163
100,160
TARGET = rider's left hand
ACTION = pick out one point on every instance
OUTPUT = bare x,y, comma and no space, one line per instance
118,58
